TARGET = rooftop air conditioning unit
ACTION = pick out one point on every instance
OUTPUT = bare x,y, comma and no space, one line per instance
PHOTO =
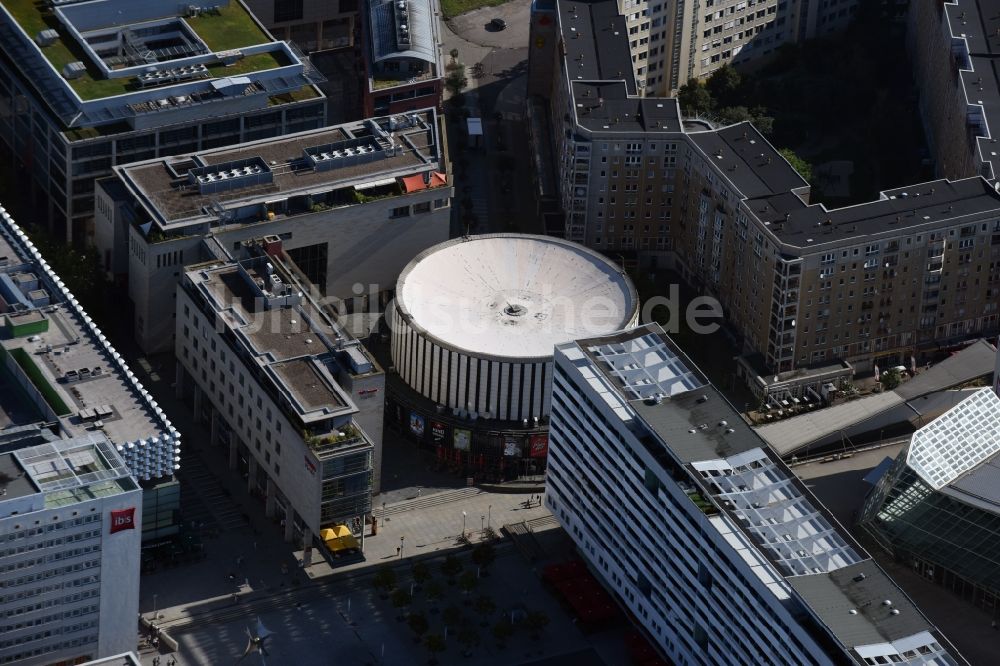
74,70
46,37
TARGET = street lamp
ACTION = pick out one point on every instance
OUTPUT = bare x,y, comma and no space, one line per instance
383,513
489,516
401,540
482,523
463,523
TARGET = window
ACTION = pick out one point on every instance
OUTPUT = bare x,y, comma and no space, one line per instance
402,211
287,10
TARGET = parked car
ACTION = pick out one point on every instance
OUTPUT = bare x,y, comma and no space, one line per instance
498,24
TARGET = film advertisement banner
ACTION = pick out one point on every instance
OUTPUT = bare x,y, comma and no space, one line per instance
539,446
416,424
437,431
463,439
511,446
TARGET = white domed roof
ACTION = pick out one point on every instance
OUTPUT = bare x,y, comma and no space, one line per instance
514,296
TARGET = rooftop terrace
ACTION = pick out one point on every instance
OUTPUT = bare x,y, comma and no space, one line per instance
78,31
359,154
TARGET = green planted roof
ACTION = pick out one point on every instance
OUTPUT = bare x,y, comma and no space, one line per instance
231,28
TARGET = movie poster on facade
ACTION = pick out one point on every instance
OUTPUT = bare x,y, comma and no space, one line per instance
539,445
437,431
463,439
416,424
511,446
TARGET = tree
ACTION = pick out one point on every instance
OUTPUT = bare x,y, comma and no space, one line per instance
468,638
451,567
536,621
503,630
452,616
418,624
890,379
433,591
454,54
384,580
421,573
400,598
723,85
434,644
485,607
804,168
467,582
483,555
694,98
456,81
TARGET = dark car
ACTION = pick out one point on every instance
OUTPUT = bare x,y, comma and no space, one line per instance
498,24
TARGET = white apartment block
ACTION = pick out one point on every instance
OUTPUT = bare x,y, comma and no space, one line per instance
704,536
70,513
297,402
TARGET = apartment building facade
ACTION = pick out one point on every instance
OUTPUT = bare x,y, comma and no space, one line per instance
70,512
350,204
293,398
801,284
155,79
709,541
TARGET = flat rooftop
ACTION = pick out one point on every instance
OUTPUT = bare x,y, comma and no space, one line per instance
607,106
13,480
289,339
118,41
84,380
975,22
863,588
395,147
749,161
898,210
595,38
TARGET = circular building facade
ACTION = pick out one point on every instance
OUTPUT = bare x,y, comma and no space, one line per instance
475,322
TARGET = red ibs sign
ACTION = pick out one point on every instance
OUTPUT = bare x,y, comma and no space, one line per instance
122,519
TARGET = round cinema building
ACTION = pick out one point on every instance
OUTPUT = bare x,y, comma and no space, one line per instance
473,328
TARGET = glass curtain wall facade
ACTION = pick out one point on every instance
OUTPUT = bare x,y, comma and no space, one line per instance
946,540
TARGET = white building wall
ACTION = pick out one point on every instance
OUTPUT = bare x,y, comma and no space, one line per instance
704,604
63,572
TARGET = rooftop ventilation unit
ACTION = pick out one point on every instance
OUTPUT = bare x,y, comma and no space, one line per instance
155,77
46,37
348,152
231,175
402,16
74,70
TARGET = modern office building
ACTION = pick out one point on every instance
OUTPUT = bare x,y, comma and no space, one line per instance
937,507
314,25
709,541
802,285
295,400
61,373
90,85
69,552
402,57
351,204
473,326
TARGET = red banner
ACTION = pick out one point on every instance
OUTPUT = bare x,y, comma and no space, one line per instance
539,446
122,519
